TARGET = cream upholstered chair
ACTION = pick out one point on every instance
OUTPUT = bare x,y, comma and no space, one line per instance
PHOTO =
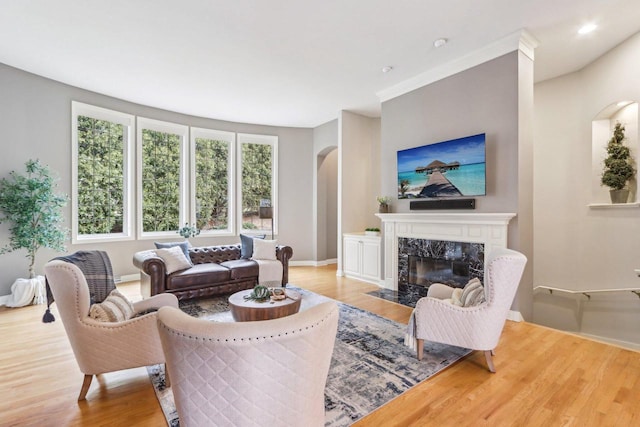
478,327
264,373
101,347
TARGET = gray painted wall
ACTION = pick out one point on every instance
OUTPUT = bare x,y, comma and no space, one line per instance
35,122
483,99
577,247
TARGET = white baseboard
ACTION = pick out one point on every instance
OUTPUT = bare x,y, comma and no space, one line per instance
313,263
515,316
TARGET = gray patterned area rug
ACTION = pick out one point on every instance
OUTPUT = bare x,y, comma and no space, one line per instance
370,364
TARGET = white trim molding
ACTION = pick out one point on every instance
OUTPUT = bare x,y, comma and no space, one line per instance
308,263
520,40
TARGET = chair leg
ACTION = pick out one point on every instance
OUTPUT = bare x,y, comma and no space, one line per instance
167,380
85,387
420,348
487,355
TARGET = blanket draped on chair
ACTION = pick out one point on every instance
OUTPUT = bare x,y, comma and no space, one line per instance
96,267
410,336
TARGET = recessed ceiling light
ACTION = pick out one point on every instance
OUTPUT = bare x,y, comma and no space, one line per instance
387,69
439,42
623,103
587,28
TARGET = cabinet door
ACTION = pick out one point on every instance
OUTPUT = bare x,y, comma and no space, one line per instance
351,256
371,260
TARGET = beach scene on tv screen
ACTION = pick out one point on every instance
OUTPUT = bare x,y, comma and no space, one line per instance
444,169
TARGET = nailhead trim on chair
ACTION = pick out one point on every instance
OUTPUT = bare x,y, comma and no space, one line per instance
177,333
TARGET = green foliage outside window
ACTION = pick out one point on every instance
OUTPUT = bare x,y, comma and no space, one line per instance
212,181
100,176
257,166
160,181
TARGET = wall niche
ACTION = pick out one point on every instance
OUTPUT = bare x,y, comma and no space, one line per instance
625,112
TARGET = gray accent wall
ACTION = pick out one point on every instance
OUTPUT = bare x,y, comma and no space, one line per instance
35,122
494,98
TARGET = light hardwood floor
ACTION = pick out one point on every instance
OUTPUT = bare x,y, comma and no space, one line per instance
544,377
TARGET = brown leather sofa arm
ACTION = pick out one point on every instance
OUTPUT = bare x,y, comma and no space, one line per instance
284,254
153,272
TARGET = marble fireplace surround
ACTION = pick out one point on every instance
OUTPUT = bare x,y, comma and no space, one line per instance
487,228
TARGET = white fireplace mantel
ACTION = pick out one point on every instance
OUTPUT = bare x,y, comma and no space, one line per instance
487,228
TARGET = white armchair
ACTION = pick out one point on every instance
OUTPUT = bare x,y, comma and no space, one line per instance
101,347
478,327
263,373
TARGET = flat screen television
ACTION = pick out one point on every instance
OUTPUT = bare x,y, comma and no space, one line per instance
454,168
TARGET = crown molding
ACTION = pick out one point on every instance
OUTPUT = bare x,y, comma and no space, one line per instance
521,40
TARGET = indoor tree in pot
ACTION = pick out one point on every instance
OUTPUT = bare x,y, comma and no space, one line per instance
34,210
618,166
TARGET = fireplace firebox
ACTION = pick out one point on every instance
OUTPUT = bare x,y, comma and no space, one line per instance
422,262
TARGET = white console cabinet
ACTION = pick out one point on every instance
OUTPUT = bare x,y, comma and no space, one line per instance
361,257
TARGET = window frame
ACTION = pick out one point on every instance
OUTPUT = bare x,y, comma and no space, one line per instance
128,122
230,138
247,138
183,132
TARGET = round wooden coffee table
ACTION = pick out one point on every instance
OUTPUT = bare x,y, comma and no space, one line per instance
244,311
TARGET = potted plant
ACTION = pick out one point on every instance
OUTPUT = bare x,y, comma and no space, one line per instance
34,210
383,202
372,231
618,166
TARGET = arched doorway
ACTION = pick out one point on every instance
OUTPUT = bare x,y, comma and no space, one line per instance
327,206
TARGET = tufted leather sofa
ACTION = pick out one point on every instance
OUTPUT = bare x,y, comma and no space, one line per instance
216,270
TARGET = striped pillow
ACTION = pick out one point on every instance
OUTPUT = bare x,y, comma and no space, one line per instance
473,293
115,308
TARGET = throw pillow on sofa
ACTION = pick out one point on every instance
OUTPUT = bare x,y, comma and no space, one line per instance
115,308
264,249
174,259
183,245
246,242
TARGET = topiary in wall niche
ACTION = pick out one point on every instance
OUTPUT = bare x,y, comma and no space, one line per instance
618,166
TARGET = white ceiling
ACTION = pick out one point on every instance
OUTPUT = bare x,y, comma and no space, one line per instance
286,62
